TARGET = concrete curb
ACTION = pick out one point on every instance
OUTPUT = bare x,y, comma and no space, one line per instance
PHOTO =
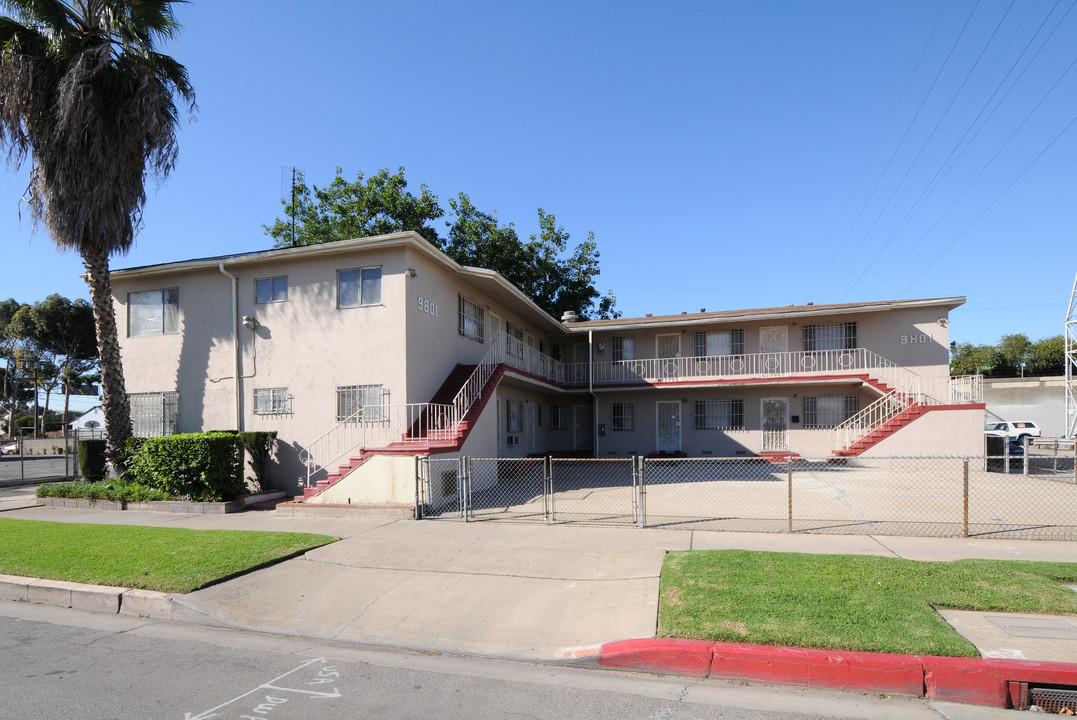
973,681
80,596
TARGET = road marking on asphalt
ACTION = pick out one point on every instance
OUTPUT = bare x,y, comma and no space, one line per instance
265,705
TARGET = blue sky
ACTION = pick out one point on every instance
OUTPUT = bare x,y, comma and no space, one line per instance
726,154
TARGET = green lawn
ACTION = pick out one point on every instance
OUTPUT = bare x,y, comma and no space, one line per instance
847,602
165,559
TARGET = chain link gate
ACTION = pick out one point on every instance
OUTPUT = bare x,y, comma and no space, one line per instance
914,496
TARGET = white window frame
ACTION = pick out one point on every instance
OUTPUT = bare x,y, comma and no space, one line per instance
830,336
363,275
514,417
272,401
718,343
154,414
623,348
722,414
274,286
166,322
472,323
372,399
839,408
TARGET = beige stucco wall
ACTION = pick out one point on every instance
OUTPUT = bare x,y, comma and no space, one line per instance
382,480
1040,399
956,433
810,442
910,337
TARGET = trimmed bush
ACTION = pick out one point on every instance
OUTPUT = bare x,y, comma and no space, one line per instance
92,461
260,446
117,490
194,466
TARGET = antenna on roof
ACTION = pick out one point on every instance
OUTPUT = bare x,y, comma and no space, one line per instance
287,190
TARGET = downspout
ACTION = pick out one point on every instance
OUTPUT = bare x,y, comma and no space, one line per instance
591,385
235,343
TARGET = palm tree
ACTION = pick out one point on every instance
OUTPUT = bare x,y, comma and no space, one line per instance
84,95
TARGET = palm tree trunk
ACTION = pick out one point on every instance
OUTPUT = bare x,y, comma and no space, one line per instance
113,394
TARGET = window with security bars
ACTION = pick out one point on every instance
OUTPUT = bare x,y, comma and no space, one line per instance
623,417
514,342
719,415
832,336
826,412
271,401
362,403
557,417
154,414
726,342
514,417
472,320
623,348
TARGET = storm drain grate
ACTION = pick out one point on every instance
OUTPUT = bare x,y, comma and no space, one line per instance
1054,700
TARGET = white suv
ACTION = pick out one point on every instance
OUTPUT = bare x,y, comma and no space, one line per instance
1017,430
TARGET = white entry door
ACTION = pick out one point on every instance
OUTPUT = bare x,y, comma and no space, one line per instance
775,414
669,425
774,349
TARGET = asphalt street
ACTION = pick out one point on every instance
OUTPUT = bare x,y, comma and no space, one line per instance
15,469
65,663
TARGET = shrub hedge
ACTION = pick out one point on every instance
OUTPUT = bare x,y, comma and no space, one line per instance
194,466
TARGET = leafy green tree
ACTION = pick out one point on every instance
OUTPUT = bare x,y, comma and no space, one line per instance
88,99
61,333
1043,357
344,210
543,267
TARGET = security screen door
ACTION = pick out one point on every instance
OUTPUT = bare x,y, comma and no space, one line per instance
775,415
774,348
669,426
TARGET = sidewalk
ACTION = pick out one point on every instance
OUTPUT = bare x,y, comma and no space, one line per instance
526,591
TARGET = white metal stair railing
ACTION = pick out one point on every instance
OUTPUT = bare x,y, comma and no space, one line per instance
472,388
921,391
379,426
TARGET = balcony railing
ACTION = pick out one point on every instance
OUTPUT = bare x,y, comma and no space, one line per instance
761,365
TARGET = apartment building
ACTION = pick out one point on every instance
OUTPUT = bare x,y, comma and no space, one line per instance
383,348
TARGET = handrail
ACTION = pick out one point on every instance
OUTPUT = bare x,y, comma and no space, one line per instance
921,391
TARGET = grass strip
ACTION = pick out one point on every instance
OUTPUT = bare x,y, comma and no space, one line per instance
165,559
848,602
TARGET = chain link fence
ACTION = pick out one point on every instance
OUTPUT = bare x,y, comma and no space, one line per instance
1029,496
37,460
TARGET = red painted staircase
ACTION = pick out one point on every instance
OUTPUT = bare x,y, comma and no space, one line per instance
888,428
435,441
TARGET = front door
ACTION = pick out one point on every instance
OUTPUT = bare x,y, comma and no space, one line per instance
529,426
774,349
669,426
667,350
775,414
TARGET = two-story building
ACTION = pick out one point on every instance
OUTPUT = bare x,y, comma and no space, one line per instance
383,347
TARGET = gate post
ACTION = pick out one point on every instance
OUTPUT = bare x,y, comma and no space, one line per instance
469,513
547,486
965,473
789,480
418,494
642,493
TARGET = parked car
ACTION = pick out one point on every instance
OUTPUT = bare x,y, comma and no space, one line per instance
10,448
1016,430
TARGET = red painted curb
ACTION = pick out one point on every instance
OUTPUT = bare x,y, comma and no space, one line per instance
681,657
974,681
